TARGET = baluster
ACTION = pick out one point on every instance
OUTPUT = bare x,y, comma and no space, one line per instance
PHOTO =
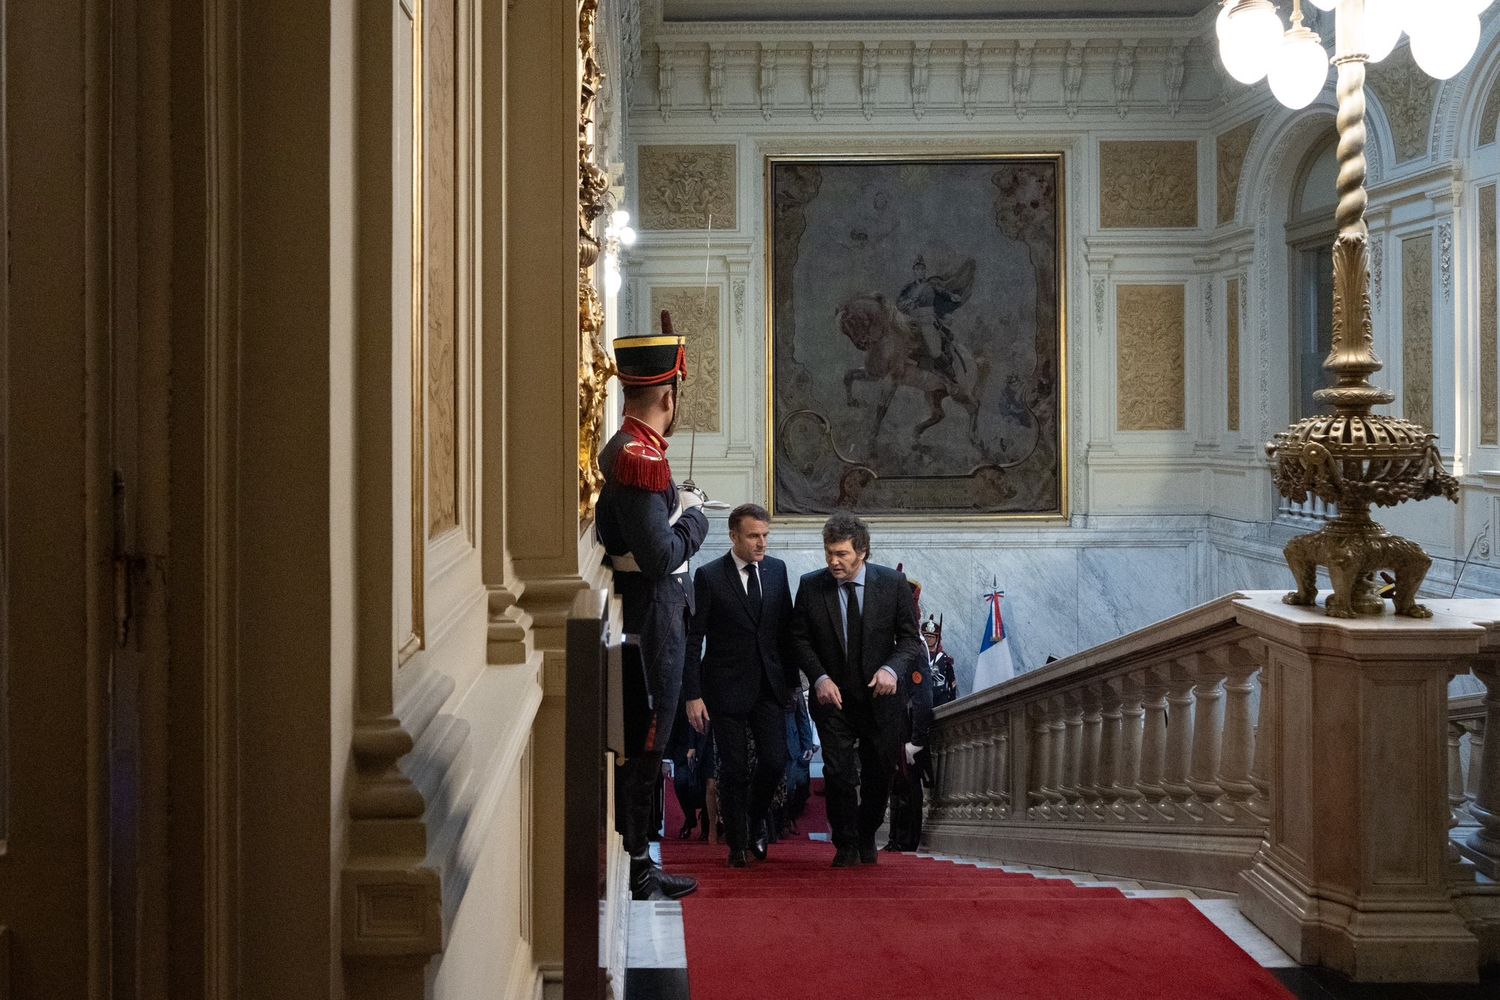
991,795
1239,666
1486,806
1088,772
1179,756
1106,781
1038,805
1127,792
1058,728
938,809
1153,743
1208,733
1456,812
1002,771
1072,749
1259,804
969,748
1476,754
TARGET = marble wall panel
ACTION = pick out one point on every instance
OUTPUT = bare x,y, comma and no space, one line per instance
1123,589
1150,349
687,186
1416,329
1148,184
695,314
1230,149
1407,94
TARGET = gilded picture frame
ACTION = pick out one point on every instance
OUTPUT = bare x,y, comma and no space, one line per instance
916,342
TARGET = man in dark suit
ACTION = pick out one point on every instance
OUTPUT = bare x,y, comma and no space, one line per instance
740,683
854,631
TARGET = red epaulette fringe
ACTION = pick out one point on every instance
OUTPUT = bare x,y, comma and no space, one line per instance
642,467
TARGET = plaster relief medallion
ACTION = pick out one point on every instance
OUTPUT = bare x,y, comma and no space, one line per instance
1148,185
1230,150
695,314
681,187
1150,338
1406,94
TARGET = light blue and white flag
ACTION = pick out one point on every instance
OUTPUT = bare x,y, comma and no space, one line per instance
993,664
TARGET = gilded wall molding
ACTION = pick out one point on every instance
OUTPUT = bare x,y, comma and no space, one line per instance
1229,160
1150,351
1416,329
1489,322
594,365
1232,354
683,186
1407,95
1148,184
695,315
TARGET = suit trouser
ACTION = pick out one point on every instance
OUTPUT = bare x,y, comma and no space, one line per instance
742,797
651,685
860,744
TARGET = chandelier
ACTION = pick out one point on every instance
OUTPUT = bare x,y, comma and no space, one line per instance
1352,458
1253,44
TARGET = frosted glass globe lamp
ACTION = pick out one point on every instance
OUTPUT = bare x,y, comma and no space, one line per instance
1300,68
1444,38
1251,36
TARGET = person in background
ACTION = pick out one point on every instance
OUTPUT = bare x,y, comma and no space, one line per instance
737,676
915,766
854,630
801,747
942,672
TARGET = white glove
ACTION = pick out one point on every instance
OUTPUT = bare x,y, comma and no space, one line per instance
911,754
689,496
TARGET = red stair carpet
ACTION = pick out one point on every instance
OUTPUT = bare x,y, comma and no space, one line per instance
914,928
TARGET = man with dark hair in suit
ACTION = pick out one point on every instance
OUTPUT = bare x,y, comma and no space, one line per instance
854,630
741,682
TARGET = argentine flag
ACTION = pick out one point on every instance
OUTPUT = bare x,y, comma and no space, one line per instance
993,664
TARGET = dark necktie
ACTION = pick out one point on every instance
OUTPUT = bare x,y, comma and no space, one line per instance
752,575
854,630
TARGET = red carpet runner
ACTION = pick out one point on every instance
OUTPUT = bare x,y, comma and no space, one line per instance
910,928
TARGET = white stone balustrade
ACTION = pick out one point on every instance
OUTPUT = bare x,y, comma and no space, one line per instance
1308,763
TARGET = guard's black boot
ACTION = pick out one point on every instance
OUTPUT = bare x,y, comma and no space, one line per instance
649,882
737,859
846,857
867,855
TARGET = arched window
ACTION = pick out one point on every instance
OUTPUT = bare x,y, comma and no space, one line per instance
1309,234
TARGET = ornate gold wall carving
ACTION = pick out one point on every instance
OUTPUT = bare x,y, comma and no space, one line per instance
681,186
1229,160
1232,353
440,52
1416,329
1150,345
1489,321
695,314
595,368
1148,185
1406,93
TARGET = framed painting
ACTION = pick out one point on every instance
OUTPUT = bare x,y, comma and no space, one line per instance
917,348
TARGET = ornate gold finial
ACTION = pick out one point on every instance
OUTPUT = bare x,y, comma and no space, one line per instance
1353,458
594,366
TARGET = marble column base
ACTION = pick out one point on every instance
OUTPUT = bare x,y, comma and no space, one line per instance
1412,941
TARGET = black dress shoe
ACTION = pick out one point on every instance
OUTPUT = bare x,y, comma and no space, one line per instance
737,859
846,857
687,829
867,855
649,882
759,840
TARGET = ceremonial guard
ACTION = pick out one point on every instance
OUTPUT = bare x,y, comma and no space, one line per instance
915,767
942,671
649,528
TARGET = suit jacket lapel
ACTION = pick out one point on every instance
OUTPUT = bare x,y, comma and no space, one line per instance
867,609
737,583
831,601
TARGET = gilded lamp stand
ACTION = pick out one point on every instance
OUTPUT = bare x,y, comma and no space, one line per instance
1354,458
